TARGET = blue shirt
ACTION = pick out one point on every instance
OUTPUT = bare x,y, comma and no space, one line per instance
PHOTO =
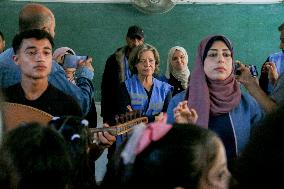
277,93
179,97
278,60
243,117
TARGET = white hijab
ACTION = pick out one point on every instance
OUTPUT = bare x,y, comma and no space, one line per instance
180,75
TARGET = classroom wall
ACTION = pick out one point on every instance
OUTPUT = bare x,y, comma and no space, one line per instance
175,1
97,29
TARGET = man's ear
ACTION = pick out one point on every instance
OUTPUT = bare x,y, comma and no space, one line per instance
16,59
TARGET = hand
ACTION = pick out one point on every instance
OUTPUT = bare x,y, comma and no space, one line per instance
162,117
272,72
105,139
86,63
183,114
245,77
129,108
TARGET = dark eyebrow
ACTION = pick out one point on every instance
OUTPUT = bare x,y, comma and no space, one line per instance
48,48
33,47
217,50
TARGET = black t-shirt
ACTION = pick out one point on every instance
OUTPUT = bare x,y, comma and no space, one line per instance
52,101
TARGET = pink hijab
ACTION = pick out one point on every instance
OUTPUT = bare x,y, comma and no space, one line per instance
210,97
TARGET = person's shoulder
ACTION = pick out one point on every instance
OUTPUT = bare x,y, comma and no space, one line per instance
12,91
163,87
8,53
14,87
161,77
163,84
6,58
113,58
179,96
117,52
276,54
120,50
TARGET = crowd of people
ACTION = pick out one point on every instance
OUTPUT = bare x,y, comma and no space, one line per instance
203,131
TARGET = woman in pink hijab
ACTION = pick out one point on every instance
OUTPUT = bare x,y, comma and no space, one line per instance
215,100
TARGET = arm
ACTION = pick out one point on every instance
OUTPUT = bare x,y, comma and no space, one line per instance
103,140
82,92
263,79
251,84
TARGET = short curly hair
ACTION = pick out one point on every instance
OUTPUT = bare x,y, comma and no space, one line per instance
134,57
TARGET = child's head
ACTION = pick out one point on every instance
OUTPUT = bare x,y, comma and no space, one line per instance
76,134
40,156
186,156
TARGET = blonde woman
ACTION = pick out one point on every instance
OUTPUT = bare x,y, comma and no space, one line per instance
143,91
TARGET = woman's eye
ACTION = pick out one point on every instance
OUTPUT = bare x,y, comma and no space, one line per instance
176,58
152,61
212,55
227,54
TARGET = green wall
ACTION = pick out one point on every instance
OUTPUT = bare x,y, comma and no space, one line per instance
98,29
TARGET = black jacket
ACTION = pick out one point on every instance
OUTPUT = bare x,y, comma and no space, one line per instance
112,78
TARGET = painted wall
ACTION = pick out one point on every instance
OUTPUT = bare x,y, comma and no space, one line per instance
98,29
176,1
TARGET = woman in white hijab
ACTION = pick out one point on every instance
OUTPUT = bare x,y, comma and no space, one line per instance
177,71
